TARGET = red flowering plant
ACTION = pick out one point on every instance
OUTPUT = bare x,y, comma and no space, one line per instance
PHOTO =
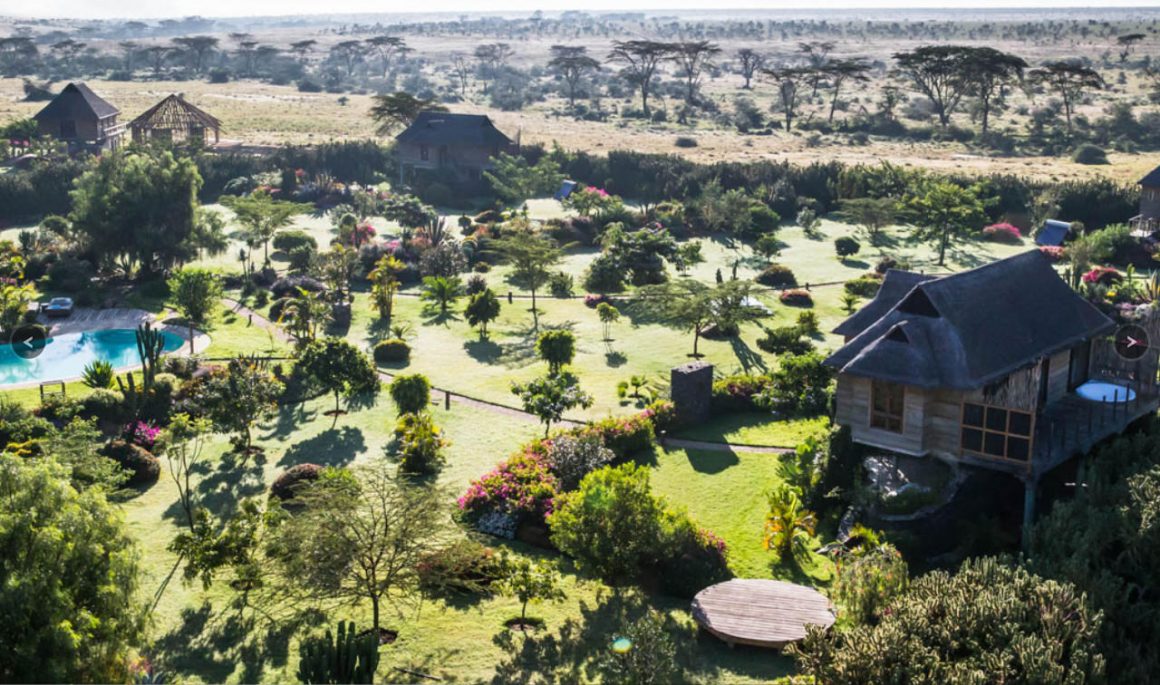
1104,275
1053,252
1003,233
594,300
796,298
522,485
142,434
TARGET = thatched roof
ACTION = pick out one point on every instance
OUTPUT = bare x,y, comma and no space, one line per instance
445,128
175,114
972,328
894,287
76,101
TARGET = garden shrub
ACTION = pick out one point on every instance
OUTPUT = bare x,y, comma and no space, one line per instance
1089,154
777,276
625,436
18,425
104,405
284,486
481,267
592,301
685,141
475,284
488,216
411,393
391,351
59,409
421,444
560,284
737,393
1003,233
463,567
1053,252
181,367
800,385
69,274
144,468
287,241
866,285
604,275
573,457
1103,275
522,486
868,583
796,298
663,415
692,558
784,340
846,246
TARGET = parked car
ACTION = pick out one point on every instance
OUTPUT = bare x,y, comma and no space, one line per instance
58,307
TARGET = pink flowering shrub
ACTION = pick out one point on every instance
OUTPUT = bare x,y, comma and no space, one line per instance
625,436
1104,275
796,298
1052,252
523,485
1003,233
592,301
142,434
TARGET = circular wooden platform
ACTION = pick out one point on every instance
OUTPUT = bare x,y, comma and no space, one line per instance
762,613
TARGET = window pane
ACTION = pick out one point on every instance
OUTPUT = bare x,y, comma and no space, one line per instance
972,415
996,419
1020,423
1018,448
993,444
972,440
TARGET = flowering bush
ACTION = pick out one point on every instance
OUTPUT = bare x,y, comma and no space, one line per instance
736,393
1104,275
797,298
1052,252
571,458
663,415
1003,233
523,485
623,435
593,301
142,434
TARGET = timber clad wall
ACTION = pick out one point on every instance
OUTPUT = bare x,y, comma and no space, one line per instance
853,410
1058,370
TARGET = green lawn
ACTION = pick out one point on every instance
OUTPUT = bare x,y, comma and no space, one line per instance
755,428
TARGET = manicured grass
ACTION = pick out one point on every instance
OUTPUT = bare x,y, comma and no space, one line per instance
724,492
755,428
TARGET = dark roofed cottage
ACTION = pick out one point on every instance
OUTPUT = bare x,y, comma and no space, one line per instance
459,144
82,119
982,367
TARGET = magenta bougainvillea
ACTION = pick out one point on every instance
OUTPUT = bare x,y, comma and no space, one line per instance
1003,233
1104,275
521,485
1052,252
142,434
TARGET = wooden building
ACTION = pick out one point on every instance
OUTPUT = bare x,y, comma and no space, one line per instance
459,144
988,367
81,119
176,121
1146,224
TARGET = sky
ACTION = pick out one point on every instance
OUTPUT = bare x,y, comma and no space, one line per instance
104,9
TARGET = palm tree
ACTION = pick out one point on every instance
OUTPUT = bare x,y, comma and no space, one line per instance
384,285
789,527
441,290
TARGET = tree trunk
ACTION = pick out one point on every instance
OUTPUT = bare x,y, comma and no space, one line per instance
942,245
834,102
191,337
986,102
696,341
375,615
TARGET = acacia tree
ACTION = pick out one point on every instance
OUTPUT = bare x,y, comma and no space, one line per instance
238,397
396,110
71,609
943,211
348,53
872,214
360,538
572,62
789,81
940,73
550,396
692,58
262,216
840,71
338,367
196,293
461,67
750,62
388,48
302,48
1127,42
639,60
1070,80
199,47
988,73
492,58
532,255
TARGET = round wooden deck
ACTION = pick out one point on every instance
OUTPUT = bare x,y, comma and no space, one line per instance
761,613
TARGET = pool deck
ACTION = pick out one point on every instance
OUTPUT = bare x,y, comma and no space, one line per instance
84,319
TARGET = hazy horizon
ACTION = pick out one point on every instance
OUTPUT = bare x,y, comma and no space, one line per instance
150,9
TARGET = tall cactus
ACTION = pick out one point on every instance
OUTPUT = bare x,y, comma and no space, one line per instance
150,345
349,659
134,396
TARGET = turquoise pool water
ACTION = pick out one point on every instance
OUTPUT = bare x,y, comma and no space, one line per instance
65,356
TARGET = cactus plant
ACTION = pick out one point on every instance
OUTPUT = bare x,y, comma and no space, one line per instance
150,344
351,658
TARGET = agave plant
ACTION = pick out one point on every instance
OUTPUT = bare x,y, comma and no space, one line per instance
98,374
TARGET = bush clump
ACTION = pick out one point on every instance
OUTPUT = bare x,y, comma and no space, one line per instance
797,298
1003,233
777,276
392,351
1089,154
144,468
465,568
785,340
866,285
287,241
284,486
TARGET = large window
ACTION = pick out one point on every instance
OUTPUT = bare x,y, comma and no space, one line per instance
996,432
886,406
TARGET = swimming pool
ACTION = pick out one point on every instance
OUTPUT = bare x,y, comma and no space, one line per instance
65,356
1104,391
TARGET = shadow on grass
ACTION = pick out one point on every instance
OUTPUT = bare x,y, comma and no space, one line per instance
483,350
522,347
856,263
615,359
712,461
332,447
290,417
746,356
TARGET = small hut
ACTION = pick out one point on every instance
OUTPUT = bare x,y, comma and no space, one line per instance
80,118
174,120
